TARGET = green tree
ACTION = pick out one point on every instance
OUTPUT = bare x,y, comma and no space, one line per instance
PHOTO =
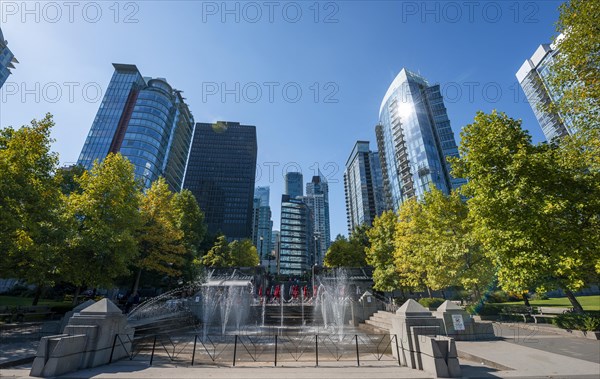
233,254
102,220
380,254
190,220
575,73
68,179
31,232
243,253
160,240
534,208
345,253
441,245
219,255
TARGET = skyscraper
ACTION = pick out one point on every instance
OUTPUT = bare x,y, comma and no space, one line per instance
147,121
317,199
294,184
363,186
296,252
220,173
7,58
534,79
262,225
414,139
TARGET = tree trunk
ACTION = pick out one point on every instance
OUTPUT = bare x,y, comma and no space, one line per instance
137,282
429,292
577,308
526,299
38,294
76,296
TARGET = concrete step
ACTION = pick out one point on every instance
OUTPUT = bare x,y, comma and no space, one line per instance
372,329
378,325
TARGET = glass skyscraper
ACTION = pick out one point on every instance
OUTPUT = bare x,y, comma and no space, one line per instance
147,121
317,199
221,173
363,186
296,251
294,184
534,79
414,139
262,225
7,58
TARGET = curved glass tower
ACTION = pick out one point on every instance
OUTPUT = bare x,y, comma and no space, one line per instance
414,139
147,121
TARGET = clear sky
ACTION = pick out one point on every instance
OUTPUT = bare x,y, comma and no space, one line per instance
309,75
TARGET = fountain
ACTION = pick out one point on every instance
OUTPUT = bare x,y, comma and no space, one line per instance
332,300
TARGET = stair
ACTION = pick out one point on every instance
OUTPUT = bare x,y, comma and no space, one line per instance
379,322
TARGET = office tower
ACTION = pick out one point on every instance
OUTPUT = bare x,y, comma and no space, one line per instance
414,139
145,120
262,193
262,225
296,252
317,199
220,173
363,186
7,58
294,184
533,76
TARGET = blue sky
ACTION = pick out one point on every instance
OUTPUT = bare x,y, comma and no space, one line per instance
249,61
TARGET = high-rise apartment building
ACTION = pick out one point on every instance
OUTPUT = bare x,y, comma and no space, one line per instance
7,58
317,199
414,139
533,76
262,225
220,173
145,120
294,184
363,186
296,252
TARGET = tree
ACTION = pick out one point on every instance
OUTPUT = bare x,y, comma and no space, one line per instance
534,208
345,253
380,254
102,220
160,240
190,220
233,254
30,205
575,72
435,245
219,255
243,253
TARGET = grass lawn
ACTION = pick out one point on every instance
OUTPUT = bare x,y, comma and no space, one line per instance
589,303
26,301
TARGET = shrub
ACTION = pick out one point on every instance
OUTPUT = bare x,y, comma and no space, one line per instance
431,302
539,296
574,321
497,297
484,309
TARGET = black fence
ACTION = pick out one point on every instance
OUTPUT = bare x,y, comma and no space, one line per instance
261,350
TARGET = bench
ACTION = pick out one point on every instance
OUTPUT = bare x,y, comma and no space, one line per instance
549,312
521,311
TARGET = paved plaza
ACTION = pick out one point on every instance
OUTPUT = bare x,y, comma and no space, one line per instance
523,351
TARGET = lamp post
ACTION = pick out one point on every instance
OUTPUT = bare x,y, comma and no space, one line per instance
260,254
314,263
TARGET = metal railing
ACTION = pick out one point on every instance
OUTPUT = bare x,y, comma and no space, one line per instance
271,349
